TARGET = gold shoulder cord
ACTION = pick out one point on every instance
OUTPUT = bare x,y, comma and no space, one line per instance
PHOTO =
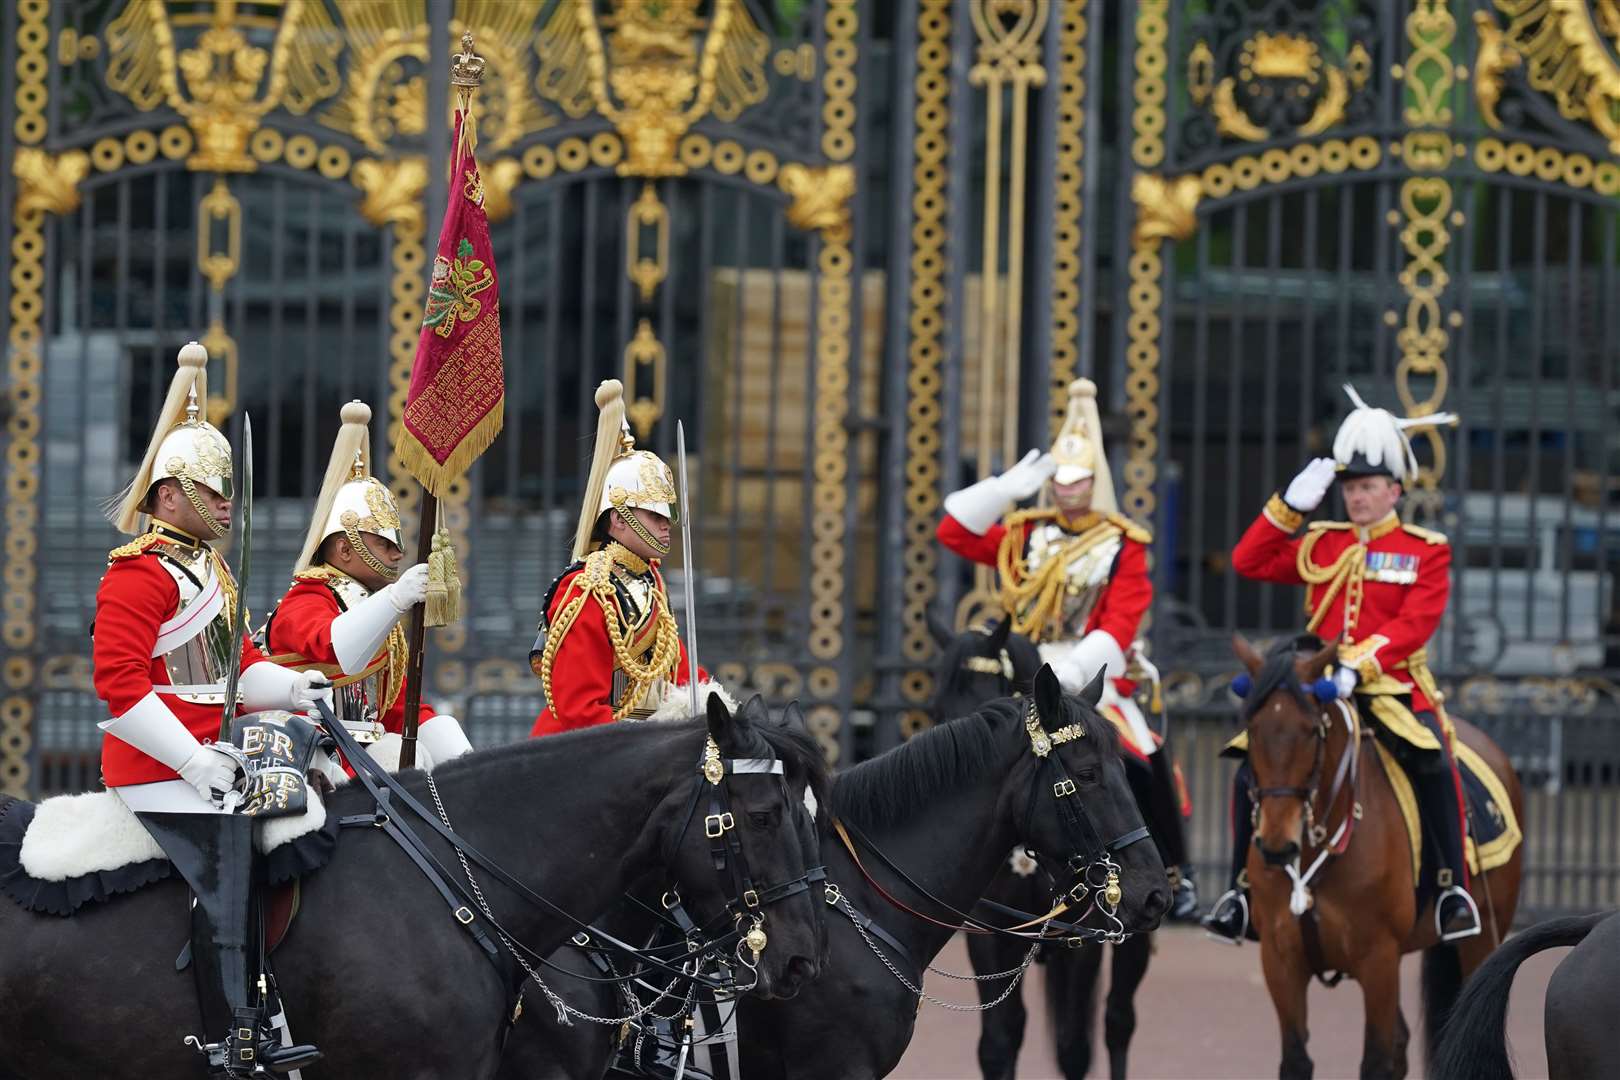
595,581
1041,593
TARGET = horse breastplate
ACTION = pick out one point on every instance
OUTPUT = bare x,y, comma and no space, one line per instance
1085,576
195,644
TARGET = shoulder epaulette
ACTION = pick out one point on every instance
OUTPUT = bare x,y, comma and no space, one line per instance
1328,526
137,546
1426,535
317,573
1132,530
1024,517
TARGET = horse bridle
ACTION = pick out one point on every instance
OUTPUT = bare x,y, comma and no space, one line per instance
725,848
1315,834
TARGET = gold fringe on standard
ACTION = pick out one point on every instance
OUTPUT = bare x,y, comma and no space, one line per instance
437,478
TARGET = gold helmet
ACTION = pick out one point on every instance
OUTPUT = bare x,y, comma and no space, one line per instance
621,477
1078,450
352,501
184,447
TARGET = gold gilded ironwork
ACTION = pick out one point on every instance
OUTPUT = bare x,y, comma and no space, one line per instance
661,70
646,350
499,178
1421,374
219,207
1008,36
1200,72
1166,209
48,183
392,189
1067,220
1304,160
1145,267
1290,57
1358,65
1574,169
386,92
834,325
223,84
1493,57
1570,49
820,194
1281,56
647,272
926,352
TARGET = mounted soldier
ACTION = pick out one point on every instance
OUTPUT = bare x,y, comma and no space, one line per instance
608,648
342,615
1073,576
165,651
1379,586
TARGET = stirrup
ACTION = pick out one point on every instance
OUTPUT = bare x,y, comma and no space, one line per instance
1473,913
1237,899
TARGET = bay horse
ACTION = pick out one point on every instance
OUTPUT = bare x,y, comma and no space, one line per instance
1312,773
975,667
374,970
1583,1001
931,821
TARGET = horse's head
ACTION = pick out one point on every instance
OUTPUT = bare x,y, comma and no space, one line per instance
745,843
1073,797
1288,725
977,666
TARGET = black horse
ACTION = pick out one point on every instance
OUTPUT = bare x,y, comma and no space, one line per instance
1583,1000
976,667
943,808
374,970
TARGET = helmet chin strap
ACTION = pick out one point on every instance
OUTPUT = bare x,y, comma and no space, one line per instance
362,551
210,522
634,524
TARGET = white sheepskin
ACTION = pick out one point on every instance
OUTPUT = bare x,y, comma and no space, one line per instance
677,703
72,835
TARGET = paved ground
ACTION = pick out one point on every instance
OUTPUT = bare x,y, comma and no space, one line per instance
1204,1014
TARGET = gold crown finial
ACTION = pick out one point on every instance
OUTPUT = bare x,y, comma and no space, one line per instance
468,67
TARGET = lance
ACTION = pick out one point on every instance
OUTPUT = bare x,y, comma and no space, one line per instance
466,75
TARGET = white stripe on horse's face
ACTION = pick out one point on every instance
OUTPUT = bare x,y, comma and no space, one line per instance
810,802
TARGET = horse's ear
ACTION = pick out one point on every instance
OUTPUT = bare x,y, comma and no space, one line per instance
793,717
719,718
1093,692
1049,698
1246,653
998,636
943,634
753,711
1317,664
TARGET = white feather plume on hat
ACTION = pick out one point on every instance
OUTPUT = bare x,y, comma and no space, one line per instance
1379,437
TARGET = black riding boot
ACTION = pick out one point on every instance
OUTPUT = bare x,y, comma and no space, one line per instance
1228,919
214,853
1455,914
1162,811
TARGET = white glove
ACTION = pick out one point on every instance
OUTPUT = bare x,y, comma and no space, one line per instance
309,688
1345,678
1305,491
211,771
1025,478
411,588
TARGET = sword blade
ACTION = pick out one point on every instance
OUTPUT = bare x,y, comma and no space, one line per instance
244,549
687,580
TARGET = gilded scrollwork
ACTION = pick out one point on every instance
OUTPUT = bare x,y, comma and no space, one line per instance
48,182
1571,53
660,69
820,194
392,189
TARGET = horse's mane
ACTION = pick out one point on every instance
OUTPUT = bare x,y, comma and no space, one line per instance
952,675
1279,673
798,751
888,788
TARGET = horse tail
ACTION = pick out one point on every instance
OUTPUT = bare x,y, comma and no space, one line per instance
1473,1046
1442,982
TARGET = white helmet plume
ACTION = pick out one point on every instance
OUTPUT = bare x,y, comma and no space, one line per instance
1378,438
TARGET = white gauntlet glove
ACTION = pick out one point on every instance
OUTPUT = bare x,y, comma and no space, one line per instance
309,688
268,686
211,771
978,507
1025,478
411,588
1306,491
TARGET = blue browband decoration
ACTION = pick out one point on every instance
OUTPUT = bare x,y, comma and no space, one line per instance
1325,690
1242,684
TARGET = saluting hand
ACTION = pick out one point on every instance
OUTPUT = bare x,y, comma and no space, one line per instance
1306,491
1025,478
411,588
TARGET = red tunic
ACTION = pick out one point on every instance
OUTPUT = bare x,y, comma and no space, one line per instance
1125,599
582,670
1407,578
303,625
136,596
